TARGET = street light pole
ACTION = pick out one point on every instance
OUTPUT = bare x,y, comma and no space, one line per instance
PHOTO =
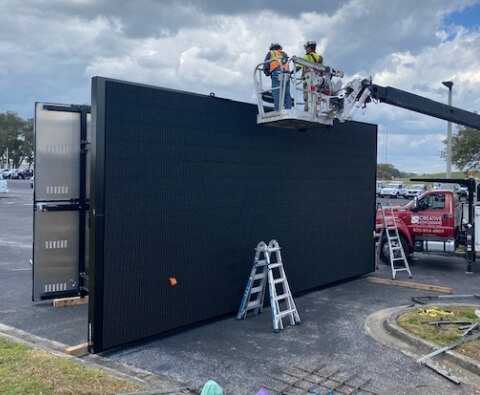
449,85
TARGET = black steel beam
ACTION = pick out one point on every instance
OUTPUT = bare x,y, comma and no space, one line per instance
97,217
67,107
397,97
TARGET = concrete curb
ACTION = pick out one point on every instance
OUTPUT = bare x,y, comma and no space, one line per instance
390,324
462,254
114,368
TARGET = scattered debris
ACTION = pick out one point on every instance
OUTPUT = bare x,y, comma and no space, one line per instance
433,312
470,329
449,347
73,301
407,284
442,371
441,324
315,381
427,298
78,350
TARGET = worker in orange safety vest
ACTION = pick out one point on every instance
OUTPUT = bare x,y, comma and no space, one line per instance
276,66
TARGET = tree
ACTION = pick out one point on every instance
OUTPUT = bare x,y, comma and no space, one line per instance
386,171
27,146
16,138
465,149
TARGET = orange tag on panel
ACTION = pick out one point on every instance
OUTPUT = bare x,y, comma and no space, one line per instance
173,281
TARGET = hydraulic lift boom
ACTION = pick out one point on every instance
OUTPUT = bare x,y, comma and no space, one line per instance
409,101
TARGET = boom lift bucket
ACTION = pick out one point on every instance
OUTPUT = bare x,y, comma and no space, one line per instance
321,85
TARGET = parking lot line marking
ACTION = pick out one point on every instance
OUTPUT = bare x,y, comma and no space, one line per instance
5,243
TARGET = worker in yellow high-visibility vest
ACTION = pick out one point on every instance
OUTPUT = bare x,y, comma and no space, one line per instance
311,56
276,65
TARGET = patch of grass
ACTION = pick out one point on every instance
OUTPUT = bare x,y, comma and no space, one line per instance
455,174
24,370
418,325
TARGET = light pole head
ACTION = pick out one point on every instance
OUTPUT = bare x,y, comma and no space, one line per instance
448,84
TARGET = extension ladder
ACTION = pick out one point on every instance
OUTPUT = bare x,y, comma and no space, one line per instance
268,266
398,259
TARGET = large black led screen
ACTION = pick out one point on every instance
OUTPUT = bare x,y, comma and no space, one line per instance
185,186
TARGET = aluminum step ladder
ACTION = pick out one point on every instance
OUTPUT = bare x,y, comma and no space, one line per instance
398,259
268,266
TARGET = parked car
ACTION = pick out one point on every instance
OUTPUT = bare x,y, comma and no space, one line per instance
416,190
4,172
10,174
394,189
15,174
450,187
27,174
7,174
380,185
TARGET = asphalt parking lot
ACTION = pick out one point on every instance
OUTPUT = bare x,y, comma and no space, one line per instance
240,355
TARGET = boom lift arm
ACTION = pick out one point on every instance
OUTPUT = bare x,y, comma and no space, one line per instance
409,101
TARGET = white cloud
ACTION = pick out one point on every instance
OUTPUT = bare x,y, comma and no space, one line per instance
50,49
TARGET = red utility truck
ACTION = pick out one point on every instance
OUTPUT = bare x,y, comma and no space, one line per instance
435,222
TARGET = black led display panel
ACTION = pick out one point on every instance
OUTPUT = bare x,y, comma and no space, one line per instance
184,186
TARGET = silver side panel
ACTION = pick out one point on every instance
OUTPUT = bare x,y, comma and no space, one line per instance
55,252
57,154
57,183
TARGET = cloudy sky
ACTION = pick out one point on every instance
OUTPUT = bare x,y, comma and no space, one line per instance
50,49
